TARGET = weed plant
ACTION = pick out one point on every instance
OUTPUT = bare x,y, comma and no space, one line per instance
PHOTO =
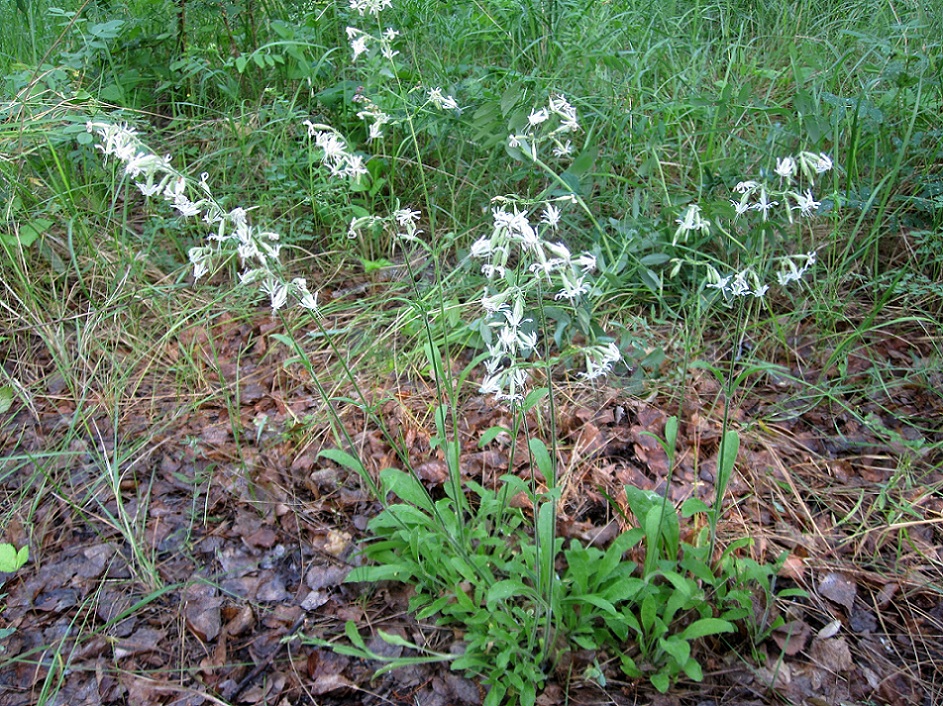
578,165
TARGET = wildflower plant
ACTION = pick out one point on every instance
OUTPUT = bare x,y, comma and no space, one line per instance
229,233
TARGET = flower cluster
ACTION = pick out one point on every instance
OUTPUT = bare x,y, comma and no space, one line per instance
371,7
793,269
516,243
258,250
553,123
338,158
361,42
760,196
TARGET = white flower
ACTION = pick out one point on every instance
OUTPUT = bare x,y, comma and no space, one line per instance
406,217
741,206
538,116
746,187
572,288
442,102
373,7
806,203
690,220
564,150
786,168
481,248
358,46
277,291
599,360
586,262
764,204
551,215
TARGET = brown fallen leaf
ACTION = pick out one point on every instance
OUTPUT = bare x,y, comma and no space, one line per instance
201,610
838,588
792,637
832,654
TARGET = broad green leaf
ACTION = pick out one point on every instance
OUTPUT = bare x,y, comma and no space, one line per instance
406,487
543,461
693,506
344,459
372,574
508,588
677,648
706,626
660,681
693,669
6,398
11,559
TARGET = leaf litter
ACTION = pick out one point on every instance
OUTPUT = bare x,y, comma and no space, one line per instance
239,536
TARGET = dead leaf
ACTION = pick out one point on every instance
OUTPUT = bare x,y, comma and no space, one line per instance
792,637
832,654
793,568
201,610
839,589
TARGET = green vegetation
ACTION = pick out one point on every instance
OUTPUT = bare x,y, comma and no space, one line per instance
610,331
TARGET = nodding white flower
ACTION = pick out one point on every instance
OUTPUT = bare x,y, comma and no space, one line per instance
186,207
149,189
551,215
514,141
389,34
739,286
493,304
537,117
306,300
199,257
736,285
823,163
587,262
745,187
806,203
572,288
599,360
741,206
792,272
442,102
786,168
373,7
564,150
277,291
690,220
764,204
560,252
481,248
720,282
358,46
406,217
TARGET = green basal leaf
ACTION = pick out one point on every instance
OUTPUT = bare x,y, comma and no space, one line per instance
660,681
677,648
706,626
508,588
342,458
406,487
